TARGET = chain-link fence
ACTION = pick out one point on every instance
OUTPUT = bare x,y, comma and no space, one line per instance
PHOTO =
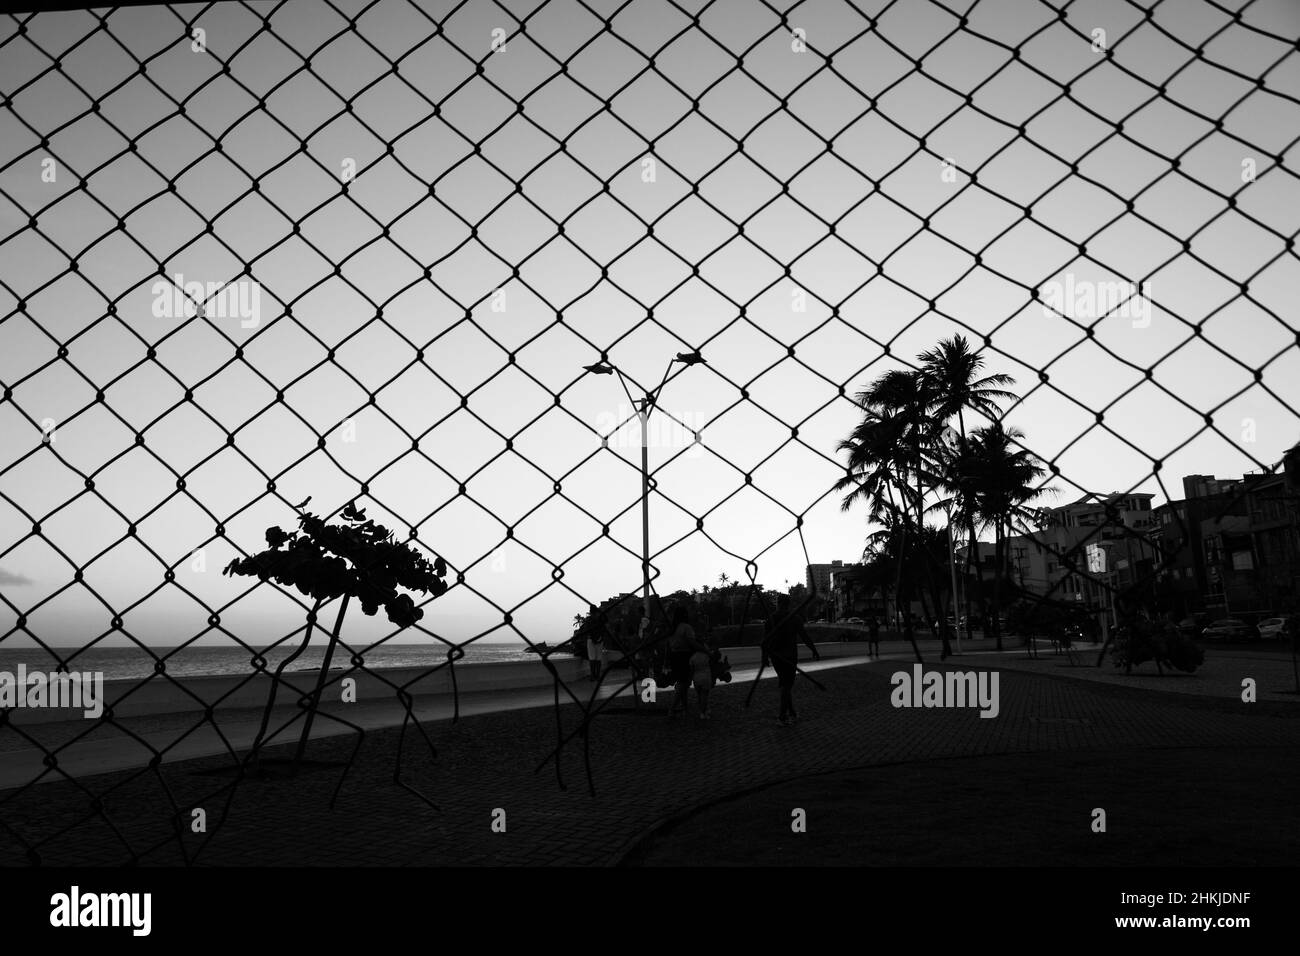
416,236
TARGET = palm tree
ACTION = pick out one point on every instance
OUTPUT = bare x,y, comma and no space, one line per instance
955,374
911,401
899,459
953,371
884,468
999,478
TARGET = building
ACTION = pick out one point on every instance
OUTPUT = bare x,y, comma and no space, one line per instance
819,577
1227,548
1131,510
853,594
1084,552
1274,529
1230,547
1177,544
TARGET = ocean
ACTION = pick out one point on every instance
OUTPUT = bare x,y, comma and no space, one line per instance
121,663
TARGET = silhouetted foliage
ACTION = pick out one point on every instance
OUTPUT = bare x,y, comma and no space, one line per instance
357,558
905,462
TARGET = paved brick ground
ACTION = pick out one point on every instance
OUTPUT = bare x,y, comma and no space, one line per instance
1184,807
645,769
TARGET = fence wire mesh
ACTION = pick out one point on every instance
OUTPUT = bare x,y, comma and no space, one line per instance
379,180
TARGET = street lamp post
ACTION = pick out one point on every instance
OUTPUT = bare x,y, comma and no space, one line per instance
643,412
643,407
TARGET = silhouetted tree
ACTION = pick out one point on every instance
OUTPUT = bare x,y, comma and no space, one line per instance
955,375
355,559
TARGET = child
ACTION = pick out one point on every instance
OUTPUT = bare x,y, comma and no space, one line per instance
702,678
721,667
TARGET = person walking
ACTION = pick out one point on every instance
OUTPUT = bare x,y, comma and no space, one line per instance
702,675
682,643
780,647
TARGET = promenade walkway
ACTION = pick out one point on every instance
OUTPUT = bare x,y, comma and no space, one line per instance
646,769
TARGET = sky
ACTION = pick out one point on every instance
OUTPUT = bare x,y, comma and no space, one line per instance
434,216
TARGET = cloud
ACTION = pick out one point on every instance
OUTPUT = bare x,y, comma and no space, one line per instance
8,577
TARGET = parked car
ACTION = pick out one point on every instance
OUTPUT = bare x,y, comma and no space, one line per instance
1077,634
1228,629
854,620
1272,628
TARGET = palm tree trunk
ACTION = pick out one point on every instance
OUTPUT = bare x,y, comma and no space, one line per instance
936,595
902,595
973,561
903,589
999,544
972,543
925,605
946,645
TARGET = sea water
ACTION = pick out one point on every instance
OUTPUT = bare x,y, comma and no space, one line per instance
118,663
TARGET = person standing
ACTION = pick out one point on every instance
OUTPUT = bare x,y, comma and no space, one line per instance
682,643
873,635
593,628
634,640
781,648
